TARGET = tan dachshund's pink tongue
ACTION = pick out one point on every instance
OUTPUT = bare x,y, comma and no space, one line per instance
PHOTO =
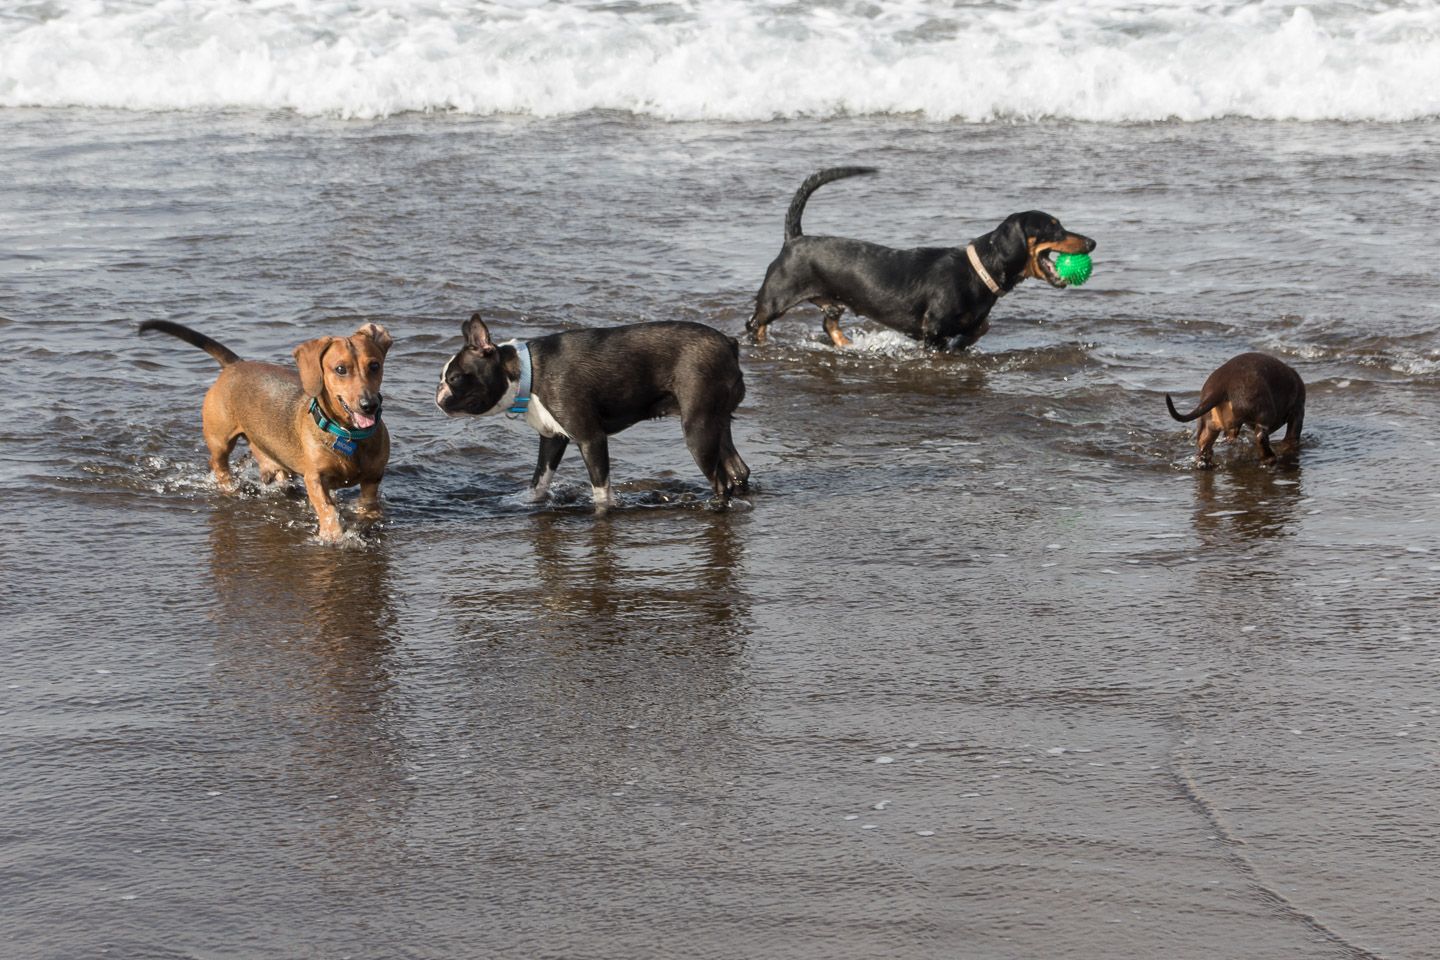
361,420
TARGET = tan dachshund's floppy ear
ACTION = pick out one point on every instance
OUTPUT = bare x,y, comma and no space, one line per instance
477,335
379,334
307,358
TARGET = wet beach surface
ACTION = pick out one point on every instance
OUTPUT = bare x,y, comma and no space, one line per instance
982,667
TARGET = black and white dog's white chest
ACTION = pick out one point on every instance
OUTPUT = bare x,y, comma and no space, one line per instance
540,418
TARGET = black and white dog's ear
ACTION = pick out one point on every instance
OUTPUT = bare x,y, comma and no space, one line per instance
477,335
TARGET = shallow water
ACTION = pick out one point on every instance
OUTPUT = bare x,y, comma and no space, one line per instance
980,668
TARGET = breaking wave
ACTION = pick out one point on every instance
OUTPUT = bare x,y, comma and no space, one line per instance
733,60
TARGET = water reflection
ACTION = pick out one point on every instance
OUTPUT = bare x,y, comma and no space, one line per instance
638,583
613,630
329,598
645,573
1246,502
304,642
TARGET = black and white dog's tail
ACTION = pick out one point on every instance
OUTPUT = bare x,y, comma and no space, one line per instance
812,183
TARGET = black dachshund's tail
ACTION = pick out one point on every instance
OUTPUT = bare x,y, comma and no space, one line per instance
812,183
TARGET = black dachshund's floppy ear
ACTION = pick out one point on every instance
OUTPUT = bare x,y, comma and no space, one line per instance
1008,239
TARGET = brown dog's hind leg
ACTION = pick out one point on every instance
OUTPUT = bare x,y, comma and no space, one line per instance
1262,444
1290,446
1205,443
270,470
221,432
221,445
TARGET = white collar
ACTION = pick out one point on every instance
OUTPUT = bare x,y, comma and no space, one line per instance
974,256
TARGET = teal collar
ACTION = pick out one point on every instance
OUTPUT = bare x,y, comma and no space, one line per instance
330,426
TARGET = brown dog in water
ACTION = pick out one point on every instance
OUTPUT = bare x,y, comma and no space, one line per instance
1252,389
322,423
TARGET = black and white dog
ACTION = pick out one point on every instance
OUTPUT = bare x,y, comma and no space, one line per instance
584,385
939,295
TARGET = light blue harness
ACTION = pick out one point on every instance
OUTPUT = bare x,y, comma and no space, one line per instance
521,405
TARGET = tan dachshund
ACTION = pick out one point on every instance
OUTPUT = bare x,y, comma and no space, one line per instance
321,424
1251,389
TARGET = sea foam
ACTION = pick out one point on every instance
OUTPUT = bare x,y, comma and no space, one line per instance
734,60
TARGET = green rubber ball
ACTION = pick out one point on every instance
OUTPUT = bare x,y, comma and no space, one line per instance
1073,268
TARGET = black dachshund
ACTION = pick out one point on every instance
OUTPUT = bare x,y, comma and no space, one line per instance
940,295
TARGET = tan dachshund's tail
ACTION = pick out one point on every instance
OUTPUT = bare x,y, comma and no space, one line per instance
225,355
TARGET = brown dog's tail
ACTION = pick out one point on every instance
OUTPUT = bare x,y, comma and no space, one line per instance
812,183
224,354
1200,411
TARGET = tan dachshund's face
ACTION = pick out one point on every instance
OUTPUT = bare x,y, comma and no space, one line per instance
344,374
1045,237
